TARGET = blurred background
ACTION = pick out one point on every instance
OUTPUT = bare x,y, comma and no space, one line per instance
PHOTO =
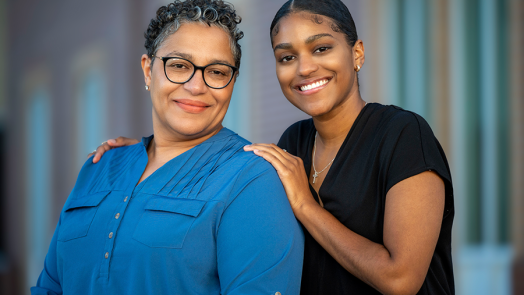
70,78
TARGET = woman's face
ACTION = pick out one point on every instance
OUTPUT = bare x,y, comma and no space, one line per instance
314,64
191,110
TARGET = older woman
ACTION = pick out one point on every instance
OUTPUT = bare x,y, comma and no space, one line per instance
186,211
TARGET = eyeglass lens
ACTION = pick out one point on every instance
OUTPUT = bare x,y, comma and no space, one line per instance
215,75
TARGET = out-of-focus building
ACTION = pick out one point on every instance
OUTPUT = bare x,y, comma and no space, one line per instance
70,78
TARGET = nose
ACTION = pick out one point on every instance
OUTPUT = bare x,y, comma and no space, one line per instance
306,66
196,85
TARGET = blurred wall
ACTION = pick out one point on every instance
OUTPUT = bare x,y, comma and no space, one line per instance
70,78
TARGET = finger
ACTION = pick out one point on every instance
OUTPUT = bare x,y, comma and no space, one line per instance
121,141
291,163
254,146
100,150
273,160
283,156
273,148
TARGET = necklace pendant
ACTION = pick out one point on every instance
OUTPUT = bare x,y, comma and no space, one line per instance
315,177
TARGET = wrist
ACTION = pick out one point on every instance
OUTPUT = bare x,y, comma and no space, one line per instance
304,208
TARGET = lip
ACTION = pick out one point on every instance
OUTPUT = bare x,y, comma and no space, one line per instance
310,81
191,106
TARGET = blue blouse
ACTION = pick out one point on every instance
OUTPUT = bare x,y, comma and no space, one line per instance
214,220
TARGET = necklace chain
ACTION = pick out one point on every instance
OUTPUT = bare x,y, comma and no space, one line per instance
314,169
314,152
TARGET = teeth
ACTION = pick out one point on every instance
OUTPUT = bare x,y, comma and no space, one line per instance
313,85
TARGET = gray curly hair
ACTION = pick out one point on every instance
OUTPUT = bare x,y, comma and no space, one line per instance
211,12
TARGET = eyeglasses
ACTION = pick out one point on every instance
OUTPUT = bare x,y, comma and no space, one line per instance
180,70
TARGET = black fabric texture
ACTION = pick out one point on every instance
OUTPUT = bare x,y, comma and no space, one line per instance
385,145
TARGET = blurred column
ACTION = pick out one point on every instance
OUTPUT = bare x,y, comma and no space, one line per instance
38,130
516,11
390,52
439,66
457,74
3,60
489,107
414,56
370,31
5,268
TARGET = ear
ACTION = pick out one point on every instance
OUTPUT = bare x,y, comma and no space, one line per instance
359,55
146,68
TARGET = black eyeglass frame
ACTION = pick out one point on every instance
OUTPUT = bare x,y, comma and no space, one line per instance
195,68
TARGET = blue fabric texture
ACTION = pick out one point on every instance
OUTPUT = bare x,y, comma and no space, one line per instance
214,220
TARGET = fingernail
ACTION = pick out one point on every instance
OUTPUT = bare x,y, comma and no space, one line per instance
112,141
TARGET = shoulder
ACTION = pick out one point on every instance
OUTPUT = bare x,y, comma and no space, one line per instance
245,162
393,121
114,158
100,176
243,170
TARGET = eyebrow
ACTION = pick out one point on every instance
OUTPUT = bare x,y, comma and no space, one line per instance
180,54
313,38
190,57
220,61
309,40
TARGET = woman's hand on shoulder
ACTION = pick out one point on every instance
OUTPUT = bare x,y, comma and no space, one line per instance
290,169
111,144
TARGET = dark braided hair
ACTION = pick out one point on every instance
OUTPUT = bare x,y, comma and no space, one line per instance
211,12
334,9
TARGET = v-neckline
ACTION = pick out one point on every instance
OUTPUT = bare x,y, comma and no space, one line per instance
309,155
224,132
171,162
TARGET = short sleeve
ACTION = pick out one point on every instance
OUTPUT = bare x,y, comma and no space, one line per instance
410,148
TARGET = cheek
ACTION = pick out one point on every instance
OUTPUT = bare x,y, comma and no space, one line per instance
285,75
223,96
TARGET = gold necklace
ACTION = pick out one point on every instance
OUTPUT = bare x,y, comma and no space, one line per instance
314,169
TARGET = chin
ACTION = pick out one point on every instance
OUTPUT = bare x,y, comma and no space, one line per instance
314,110
189,129
193,131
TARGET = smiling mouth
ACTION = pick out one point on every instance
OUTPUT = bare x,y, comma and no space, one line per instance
313,85
191,106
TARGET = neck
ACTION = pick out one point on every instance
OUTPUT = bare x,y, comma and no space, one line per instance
334,126
168,145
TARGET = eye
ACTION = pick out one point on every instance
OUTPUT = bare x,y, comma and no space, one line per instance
287,58
177,65
322,49
217,73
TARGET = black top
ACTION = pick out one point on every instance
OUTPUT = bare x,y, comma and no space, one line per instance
385,145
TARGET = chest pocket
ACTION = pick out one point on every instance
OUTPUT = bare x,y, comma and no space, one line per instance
166,221
78,216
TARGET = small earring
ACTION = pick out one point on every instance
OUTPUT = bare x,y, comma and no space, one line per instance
357,68
147,87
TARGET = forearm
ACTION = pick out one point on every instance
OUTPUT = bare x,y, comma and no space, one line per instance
370,262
